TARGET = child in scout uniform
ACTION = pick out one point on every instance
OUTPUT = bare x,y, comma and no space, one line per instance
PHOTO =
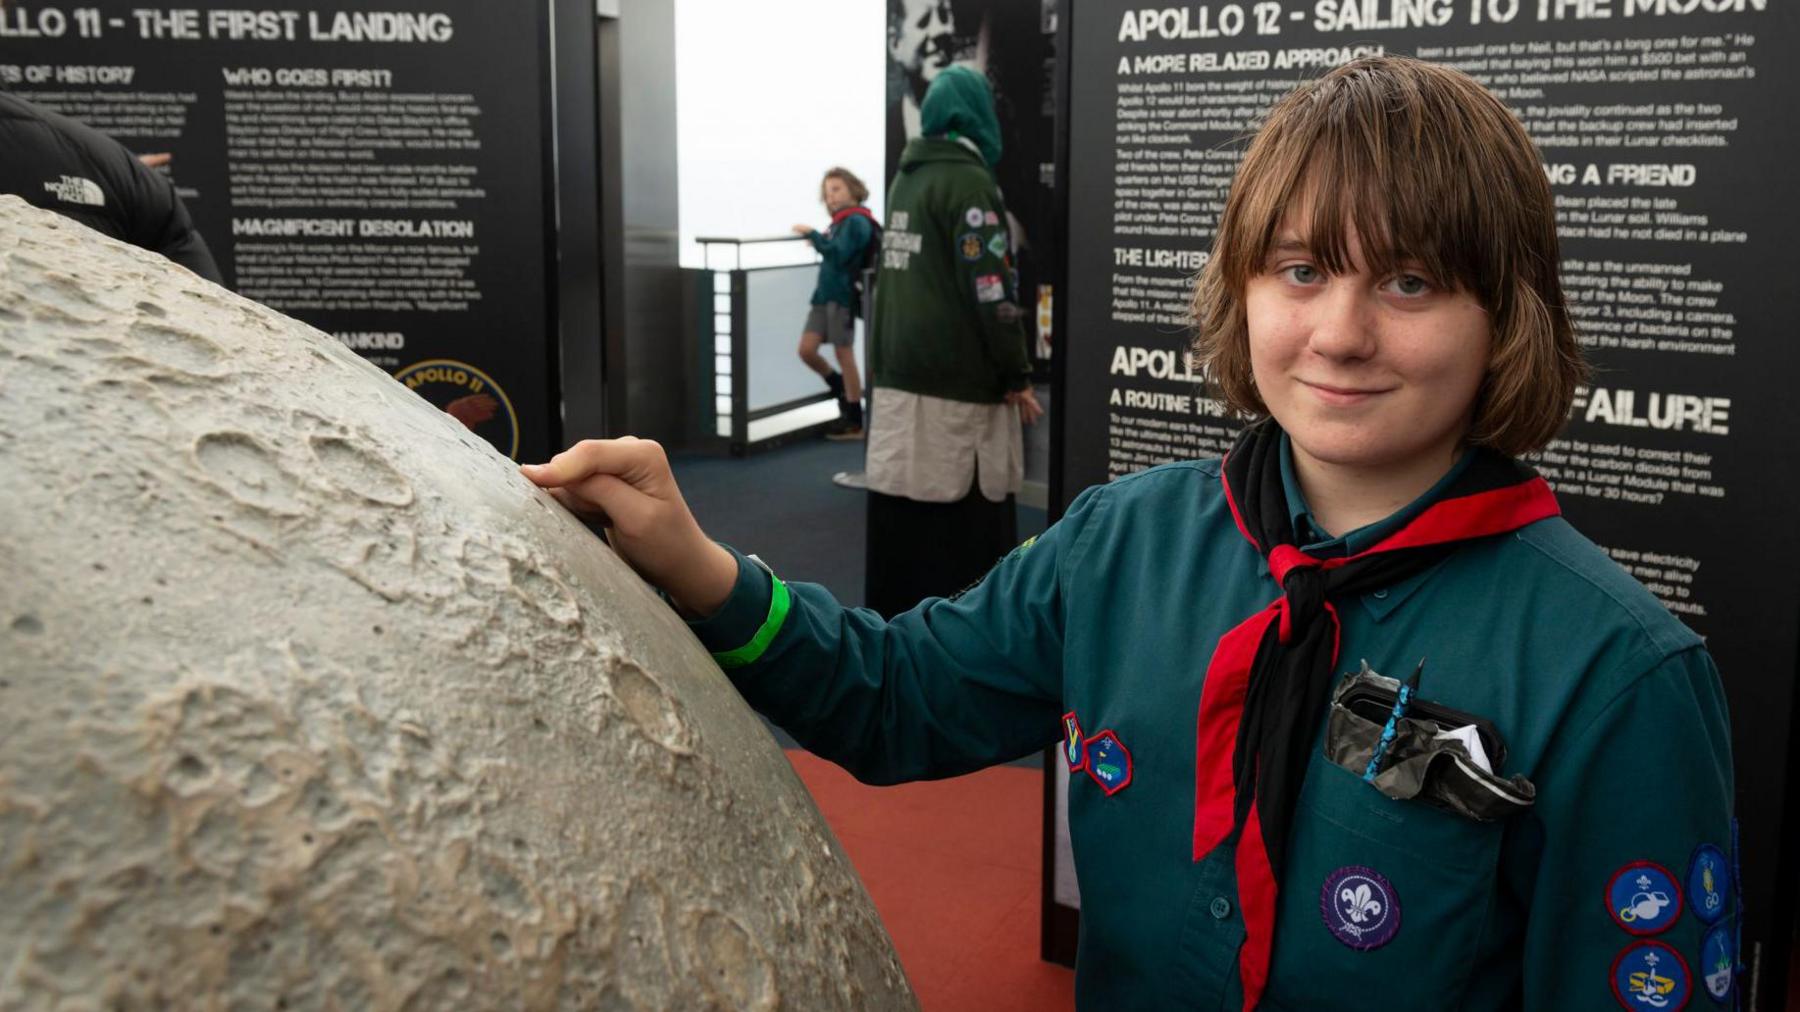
1354,719
843,248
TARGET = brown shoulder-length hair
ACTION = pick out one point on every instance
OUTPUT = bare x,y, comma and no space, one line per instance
1425,165
858,192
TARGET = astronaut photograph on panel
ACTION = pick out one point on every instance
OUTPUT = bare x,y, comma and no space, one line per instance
923,40
1011,45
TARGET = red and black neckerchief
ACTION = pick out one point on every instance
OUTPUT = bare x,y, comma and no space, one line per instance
1266,686
849,211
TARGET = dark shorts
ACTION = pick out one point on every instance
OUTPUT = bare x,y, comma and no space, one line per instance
833,321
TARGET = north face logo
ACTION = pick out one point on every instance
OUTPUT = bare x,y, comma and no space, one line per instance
76,190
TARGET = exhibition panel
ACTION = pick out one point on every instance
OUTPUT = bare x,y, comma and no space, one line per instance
386,176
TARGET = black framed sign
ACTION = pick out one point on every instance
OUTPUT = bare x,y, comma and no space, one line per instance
387,176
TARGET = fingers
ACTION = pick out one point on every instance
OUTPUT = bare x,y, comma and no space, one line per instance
628,457
609,500
626,481
580,507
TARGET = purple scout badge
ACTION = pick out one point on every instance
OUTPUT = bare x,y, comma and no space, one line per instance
1652,975
1643,898
1360,907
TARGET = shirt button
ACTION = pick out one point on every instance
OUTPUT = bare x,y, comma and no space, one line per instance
1221,908
1380,593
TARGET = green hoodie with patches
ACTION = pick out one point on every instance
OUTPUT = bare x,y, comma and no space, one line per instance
947,316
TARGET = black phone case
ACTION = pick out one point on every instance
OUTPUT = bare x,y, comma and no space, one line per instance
1374,703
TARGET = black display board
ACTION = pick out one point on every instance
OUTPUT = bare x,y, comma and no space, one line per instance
1668,131
384,175
1013,43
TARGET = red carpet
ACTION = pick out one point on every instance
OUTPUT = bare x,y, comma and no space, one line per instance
954,867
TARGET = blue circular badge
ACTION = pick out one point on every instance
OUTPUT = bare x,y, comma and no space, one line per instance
1360,907
1718,962
1708,883
1643,898
1651,975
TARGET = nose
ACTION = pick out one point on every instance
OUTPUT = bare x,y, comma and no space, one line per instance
1344,325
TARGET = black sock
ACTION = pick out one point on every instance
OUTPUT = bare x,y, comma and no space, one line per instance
836,382
852,412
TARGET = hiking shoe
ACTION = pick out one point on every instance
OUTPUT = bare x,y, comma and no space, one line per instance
845,434
851,479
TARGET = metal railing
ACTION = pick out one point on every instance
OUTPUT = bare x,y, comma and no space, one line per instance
761,395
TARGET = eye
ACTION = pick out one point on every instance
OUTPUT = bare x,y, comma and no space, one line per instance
1411,285
1301,274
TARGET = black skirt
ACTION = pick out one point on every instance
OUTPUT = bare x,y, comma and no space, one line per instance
918,550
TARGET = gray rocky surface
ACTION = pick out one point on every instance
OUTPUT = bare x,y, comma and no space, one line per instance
309,701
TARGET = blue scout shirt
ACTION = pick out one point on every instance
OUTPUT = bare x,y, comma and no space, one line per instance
1604,894
842,250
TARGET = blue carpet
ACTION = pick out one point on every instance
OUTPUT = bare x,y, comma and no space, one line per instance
780,505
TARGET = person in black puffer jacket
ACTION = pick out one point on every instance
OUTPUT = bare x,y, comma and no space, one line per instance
65,166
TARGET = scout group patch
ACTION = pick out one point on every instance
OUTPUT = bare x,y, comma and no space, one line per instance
1708,883
1651,975
997,244
973,217
1074,749
989,288
1643,898
1718,959
970,242
1360,907
1108,762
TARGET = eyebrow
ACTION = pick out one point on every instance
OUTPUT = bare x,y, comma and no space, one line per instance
1288,244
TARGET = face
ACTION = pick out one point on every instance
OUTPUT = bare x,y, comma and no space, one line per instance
837,195
924,40
1373,373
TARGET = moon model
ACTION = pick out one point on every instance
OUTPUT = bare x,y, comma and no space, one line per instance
309,701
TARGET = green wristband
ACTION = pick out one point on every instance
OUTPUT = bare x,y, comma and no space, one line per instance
778,611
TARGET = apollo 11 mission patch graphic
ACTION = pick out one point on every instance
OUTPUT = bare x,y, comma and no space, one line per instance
468,395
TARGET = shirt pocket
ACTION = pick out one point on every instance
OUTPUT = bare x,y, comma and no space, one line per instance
1384,903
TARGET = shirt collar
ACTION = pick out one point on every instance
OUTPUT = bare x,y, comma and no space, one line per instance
1313,540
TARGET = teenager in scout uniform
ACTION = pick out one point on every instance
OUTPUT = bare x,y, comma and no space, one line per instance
1354,719
843,249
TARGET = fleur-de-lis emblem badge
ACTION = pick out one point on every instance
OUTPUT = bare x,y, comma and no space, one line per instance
1360,907
1360,903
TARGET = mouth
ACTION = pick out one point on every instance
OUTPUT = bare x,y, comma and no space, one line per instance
1343,396
940,50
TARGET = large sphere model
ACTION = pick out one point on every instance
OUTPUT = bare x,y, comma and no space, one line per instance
309,701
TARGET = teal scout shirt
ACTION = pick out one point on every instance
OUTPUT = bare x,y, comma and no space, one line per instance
1610,706
842,250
